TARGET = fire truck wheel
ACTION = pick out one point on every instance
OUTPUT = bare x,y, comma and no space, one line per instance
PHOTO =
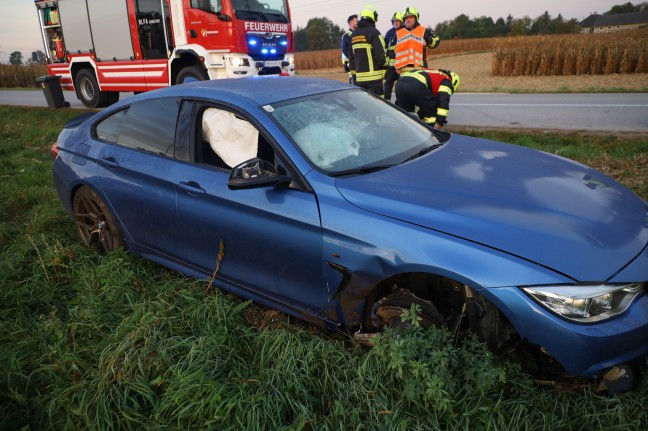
192,73
88,90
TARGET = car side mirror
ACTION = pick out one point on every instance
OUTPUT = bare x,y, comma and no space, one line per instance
255,173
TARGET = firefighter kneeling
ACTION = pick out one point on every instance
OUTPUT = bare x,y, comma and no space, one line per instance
430,90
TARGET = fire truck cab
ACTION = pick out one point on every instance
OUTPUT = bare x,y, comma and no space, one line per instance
101,48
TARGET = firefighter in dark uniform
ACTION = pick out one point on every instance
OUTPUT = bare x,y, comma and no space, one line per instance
430,91
367,56
391,76
346,45
413,42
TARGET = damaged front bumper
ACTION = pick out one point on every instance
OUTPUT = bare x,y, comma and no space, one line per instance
584,350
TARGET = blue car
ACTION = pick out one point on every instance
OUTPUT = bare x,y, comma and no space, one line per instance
323,201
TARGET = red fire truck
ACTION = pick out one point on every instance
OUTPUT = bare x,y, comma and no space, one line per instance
102,47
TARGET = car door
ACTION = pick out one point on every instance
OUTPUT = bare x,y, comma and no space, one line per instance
135,170
271,237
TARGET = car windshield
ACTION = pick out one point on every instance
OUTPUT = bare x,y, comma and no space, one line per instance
351,131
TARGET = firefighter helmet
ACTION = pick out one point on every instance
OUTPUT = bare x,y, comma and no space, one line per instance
455,81
369,12
397,17
410,11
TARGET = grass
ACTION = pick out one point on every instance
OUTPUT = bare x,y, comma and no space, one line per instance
115,342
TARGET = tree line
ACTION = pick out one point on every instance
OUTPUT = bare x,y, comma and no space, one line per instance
322,33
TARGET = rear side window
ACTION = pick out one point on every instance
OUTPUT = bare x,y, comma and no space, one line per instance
108,129
149,125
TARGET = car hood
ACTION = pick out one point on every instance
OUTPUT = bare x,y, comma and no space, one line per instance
540,207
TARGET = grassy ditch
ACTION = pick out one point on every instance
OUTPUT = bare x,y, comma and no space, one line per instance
115,342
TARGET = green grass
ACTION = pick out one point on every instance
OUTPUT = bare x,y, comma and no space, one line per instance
115,342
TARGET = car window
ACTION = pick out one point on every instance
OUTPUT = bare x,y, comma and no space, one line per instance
148,125
108,129
350,129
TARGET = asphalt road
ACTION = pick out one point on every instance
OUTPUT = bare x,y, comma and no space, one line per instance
614,112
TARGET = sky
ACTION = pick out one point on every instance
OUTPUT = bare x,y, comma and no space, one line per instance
19,30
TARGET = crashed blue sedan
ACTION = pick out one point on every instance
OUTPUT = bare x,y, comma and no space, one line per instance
318,199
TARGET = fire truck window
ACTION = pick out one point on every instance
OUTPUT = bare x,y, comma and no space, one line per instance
150,26
208,5
150,125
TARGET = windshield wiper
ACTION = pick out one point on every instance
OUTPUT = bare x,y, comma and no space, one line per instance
363,170
423,152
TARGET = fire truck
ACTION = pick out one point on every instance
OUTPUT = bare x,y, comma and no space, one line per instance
100,48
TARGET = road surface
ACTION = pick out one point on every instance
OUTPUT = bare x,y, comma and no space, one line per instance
611,112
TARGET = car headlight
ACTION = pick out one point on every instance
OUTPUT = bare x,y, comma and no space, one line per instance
586,304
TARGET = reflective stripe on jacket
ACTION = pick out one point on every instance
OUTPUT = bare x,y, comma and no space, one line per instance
410,47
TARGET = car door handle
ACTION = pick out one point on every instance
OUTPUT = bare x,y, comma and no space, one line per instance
109,162
191,187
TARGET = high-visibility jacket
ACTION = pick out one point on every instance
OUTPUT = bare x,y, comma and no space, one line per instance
411,46
440,84
367,55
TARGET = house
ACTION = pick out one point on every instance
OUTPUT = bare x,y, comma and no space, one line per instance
615,22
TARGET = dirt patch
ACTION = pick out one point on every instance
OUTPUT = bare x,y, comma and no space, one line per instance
475,73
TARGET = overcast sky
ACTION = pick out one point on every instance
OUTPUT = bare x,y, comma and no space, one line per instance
19,29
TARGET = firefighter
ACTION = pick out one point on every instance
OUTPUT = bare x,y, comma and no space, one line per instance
391,76
430,91
367,56
413,41
346,45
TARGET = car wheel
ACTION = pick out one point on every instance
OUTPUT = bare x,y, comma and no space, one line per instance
88,90
192,73
95,223
388,310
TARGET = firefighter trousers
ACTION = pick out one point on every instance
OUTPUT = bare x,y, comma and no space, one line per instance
411,93
391,76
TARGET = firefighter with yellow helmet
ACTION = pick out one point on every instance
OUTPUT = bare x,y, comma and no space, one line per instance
413,41
430,91
367,55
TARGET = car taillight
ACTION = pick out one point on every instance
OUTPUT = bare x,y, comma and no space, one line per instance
54,151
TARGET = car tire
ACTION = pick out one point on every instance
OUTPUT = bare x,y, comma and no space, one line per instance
192,73
95,223
87,89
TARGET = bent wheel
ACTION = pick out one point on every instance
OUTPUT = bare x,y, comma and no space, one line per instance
94,221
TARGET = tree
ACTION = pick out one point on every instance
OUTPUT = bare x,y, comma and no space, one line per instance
520,26
15,57
622,8
542,24
38,57
501,26
319,34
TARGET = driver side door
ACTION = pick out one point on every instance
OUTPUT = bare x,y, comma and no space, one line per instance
271,236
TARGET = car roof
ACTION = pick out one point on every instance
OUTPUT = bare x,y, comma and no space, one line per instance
261,90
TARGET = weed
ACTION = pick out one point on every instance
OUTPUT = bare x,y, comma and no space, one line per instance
102,342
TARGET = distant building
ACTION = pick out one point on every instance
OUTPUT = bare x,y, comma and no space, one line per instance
615,22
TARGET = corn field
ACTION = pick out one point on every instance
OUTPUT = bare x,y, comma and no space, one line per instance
551,55
331,58
16,76
576,54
